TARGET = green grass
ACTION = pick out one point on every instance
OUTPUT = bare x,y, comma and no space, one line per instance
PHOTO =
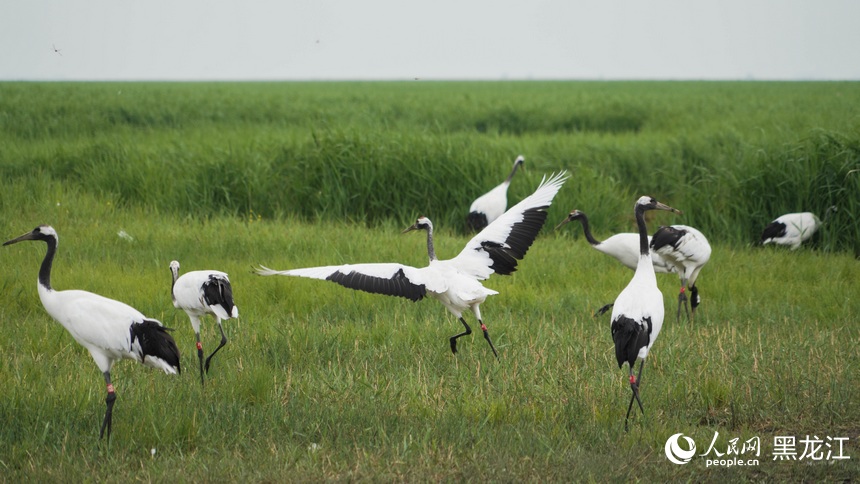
322,383
735,155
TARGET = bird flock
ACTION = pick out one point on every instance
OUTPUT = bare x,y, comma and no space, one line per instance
112,331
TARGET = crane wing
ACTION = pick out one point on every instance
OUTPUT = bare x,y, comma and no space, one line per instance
217,293
681,243
391,279
93,320
497,248
668,237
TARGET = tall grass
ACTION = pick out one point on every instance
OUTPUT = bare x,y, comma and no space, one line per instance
732,155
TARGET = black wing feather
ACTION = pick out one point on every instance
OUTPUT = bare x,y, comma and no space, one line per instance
155,341
396,285
629,337
667,236
477,221
217,291
521,237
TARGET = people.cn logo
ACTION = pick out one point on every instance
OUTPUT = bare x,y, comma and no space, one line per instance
675,453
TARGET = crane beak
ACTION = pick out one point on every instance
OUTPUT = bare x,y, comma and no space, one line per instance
410,228
566,220
27,236
663,206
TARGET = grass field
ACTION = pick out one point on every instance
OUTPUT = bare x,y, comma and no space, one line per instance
322,383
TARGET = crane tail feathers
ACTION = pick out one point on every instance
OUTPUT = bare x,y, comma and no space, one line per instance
772,231
629,337
265,271
218,295
476,221
154,345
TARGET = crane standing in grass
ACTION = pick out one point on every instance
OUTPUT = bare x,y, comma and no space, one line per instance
637,314
491,205
688,250
454,282
108,329
199,293
793,229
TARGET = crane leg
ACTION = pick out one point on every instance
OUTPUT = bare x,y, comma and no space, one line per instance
682,300
223,342
109,401
464,333
200,355
487,337
634,386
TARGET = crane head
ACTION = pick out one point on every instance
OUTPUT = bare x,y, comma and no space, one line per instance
42,232
649,203
174,269
574,215
423,223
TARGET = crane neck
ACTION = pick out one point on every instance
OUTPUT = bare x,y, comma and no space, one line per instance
175,274
511,176
643,232
830,210
586,228
45,270
431,252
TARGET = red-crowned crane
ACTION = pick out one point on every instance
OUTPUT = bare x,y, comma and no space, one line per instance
199,293
109,329
623,247
637,315
454,282
491,205
793,229
688,250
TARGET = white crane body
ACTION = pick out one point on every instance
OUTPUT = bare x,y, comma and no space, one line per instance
201,293
791,229
99,335
491,205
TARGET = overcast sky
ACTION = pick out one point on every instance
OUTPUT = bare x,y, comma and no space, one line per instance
432,39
